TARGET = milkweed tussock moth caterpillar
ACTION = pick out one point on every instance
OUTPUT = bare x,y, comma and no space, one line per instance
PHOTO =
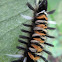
37,35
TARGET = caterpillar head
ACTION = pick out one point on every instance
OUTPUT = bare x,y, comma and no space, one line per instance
42,5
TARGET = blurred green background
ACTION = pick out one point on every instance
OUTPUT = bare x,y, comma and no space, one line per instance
11,25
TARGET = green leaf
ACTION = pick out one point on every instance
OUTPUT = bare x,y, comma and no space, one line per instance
58,17
10,26
58,32
11,23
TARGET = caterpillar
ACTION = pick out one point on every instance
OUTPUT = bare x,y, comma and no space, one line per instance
38,34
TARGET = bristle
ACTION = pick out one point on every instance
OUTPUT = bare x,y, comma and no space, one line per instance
21,48
21,41
25,59
24,37
47,52
17,61
50,28
27,25
43,58
51,12
26,17
50,36
25,31
52,22
49,44
30,6
15,56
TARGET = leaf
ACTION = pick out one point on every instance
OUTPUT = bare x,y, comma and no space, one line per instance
58,17
57,33
53,4
10,25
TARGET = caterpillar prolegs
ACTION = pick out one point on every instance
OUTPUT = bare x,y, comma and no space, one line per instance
38,34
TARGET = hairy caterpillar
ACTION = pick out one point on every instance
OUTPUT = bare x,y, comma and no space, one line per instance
38,34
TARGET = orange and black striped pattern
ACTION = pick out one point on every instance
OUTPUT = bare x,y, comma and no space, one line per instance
38,33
